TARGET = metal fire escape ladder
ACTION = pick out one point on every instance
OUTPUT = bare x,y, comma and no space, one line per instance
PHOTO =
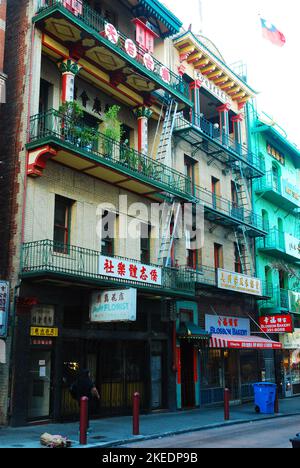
244,201
164,148
168,238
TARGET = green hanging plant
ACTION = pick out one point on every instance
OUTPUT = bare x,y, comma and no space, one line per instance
112,125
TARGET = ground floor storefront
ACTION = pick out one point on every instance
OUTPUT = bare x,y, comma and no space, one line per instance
123,358
290,365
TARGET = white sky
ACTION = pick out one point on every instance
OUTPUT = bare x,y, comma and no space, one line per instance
274,72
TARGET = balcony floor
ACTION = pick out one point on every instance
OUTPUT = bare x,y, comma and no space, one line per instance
277,199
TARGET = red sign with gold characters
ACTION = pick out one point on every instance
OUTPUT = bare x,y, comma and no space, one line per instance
276,324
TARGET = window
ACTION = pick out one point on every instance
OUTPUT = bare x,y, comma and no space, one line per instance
216,192
218,254
62,223
145,243
108,233
239,251
190,166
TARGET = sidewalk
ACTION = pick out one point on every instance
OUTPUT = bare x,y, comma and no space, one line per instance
116,431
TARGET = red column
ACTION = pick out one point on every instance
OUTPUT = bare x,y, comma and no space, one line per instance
143,114
224,122
195,97
237,128
69,69
84,402
136,414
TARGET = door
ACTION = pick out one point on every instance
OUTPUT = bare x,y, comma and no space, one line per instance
232,374
39,384
156,372
187,373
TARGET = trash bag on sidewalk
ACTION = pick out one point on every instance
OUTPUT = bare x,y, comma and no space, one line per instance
54,441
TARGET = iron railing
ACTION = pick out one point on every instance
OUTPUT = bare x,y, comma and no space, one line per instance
278,185
53,125
274,240
96,22
49,257
279,300
229,208
214,133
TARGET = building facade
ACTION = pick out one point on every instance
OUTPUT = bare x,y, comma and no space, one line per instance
277,200
114,110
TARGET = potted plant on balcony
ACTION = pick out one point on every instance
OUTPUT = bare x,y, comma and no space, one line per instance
74,132
112,130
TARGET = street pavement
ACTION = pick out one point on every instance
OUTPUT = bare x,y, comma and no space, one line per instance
111,432
258,434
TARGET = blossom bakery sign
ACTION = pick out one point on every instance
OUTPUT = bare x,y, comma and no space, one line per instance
129,270
276,324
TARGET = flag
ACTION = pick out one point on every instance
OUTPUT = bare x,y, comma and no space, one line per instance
271,33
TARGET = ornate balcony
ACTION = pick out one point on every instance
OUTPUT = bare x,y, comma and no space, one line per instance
95,41
278,191
202,134
70,263
222,211
280,245
278,303
53,136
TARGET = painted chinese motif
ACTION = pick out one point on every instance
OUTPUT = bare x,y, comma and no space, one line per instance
149,62
111,33
131,48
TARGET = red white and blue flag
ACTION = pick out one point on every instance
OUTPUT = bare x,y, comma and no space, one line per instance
271,33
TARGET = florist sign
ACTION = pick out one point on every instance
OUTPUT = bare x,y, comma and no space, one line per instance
129,270
113,306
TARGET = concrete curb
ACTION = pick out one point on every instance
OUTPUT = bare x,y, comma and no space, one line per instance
142,438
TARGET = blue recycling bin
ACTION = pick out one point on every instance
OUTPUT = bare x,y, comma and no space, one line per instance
265,395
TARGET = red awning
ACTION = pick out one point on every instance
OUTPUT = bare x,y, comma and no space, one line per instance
243,342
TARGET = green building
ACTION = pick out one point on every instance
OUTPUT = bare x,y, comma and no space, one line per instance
277,200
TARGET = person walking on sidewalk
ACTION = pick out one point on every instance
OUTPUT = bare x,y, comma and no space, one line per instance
85,387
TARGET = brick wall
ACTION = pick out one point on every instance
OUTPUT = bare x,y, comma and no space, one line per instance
2,31
12,134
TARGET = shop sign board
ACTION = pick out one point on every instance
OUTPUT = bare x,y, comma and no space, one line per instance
276,324
291,340
113,306
294,299
129,270
44,332
233,326
291,192
239,283
4,307
292,246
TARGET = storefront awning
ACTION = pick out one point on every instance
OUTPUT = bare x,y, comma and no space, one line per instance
2,352
243,342
191,331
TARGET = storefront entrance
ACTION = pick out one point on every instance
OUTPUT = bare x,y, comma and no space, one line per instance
39,385
232,374
119,369
187,376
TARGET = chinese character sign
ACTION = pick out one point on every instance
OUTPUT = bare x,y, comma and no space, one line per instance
292,246
113,306
232,326
4,306
111,33
276,324
127,270
131,48
239,283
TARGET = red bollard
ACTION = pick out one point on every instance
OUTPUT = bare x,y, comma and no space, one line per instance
136,414
84,402
226,404
276,406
